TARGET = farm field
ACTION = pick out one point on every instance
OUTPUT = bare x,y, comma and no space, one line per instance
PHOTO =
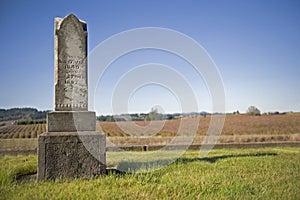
269,173
238,129
235,125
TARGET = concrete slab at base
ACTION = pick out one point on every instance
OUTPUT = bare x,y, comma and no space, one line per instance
71,155
71,121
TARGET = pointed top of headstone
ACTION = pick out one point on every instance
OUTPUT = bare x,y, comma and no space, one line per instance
71,15
71,18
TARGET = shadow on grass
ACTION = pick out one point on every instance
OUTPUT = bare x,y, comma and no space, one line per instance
127,167
116,171
27,177
214,159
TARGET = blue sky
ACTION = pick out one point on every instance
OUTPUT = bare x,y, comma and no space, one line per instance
255,45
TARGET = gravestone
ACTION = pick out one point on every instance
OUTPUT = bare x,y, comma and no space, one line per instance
71,147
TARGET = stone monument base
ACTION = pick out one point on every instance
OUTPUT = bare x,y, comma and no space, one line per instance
71,121
71,155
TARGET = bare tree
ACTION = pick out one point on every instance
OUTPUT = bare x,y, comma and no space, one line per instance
252,110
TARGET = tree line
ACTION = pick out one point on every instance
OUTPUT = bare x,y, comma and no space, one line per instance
32,115
152,115
22,114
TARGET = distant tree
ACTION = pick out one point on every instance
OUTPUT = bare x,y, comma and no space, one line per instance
169,117
110,119
252,110
236,112
106,118
147,118
154,115
101,118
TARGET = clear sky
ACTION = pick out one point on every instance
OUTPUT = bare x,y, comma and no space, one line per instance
255,45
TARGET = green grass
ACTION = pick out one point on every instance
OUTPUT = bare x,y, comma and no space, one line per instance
269,173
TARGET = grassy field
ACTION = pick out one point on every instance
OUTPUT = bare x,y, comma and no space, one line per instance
235,125
269,173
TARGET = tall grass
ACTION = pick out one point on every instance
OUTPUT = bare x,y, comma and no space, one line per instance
271,173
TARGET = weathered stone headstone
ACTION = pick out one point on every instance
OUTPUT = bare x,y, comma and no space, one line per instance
71,147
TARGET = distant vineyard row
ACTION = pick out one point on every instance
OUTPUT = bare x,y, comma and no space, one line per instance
22,131
234,125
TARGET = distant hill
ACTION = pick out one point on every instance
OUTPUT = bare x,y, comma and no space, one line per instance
21,114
